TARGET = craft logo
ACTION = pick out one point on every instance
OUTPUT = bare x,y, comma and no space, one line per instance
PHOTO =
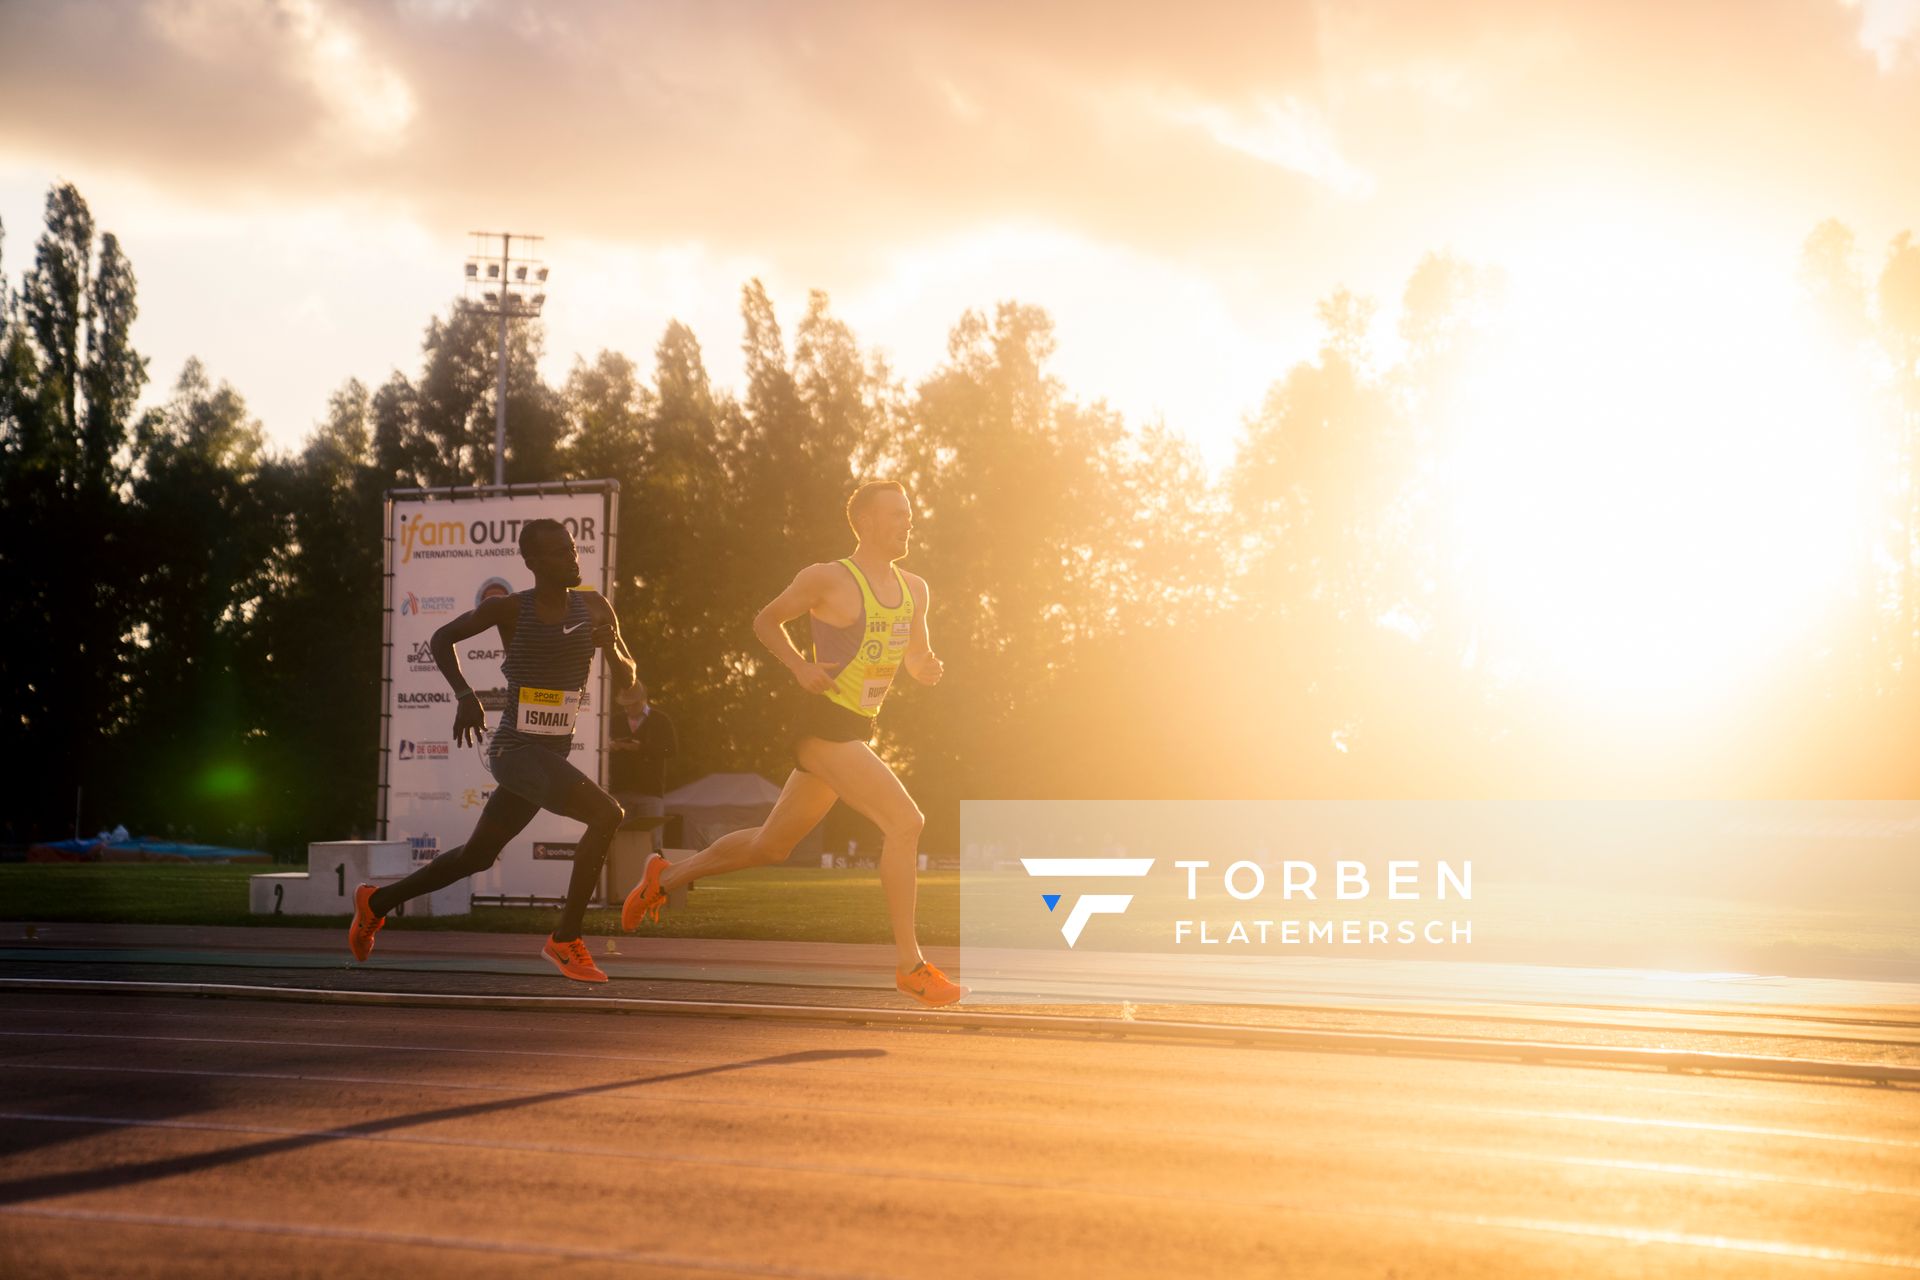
485,655
415,605
423,699
543,851
411,749
1087,905
420,658
423,848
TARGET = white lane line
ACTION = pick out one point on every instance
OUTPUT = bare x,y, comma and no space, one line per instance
665,1096
356,1235
666,1099
1657,1167
1571,1056
1599,1231
1424,1107
490,1050
1683,1239
1702,1126
1711,1089
1146,1080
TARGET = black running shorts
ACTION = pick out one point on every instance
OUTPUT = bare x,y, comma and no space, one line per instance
818,716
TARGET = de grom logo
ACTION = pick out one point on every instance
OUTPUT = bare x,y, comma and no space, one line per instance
1087,905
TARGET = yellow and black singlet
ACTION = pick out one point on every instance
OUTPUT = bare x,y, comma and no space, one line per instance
865,655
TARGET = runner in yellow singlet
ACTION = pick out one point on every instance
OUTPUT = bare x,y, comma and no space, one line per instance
860,644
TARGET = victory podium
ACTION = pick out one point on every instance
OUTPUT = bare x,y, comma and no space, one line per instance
334,869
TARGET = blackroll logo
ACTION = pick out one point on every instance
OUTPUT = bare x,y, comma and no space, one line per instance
1087,905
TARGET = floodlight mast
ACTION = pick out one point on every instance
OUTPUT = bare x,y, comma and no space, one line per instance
506,302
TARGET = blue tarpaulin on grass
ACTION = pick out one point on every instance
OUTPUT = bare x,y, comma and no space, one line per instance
143,849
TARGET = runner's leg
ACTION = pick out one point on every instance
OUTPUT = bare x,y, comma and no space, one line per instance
802,803
584,800
505,817
863,780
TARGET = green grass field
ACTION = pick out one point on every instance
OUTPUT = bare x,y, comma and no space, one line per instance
781,904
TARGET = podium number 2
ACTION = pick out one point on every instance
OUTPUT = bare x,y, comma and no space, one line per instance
279,892
340,873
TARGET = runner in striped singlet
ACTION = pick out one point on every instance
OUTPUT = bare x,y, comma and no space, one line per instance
550,634
860,642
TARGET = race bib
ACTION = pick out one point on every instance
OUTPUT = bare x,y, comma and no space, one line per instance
874,688
549,711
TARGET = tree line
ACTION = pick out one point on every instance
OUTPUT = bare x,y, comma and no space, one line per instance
194,616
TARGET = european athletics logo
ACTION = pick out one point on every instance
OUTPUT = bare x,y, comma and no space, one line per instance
1087,905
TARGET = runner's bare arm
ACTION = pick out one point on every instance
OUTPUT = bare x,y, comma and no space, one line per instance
606,635
920,661
469,718
809,588
500,611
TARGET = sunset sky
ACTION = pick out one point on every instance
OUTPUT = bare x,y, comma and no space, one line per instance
294,181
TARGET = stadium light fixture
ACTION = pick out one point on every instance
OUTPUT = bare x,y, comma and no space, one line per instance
497,251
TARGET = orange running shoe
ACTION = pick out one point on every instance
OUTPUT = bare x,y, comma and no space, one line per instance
930,986
647,898
571,958
365,924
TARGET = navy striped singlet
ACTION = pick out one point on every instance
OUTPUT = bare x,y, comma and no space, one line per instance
546,669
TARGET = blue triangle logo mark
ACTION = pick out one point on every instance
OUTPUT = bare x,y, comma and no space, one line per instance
1051,899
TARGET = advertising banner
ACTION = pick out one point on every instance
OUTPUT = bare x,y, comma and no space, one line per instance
447,551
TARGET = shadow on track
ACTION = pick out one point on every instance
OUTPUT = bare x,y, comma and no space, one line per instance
22,1190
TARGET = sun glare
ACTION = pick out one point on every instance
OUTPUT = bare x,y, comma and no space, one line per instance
1659,475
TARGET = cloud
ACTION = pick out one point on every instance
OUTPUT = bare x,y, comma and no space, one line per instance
1889,29
1289,135
813,124
1249,157
813,130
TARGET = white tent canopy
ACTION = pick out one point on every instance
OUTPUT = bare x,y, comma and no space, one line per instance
712,806
724,789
